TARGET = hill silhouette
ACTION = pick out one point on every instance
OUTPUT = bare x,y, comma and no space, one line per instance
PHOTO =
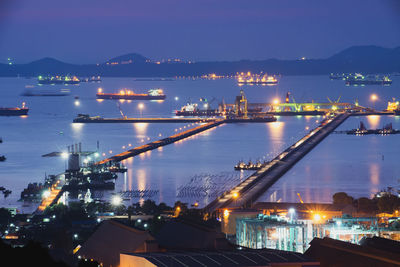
365,59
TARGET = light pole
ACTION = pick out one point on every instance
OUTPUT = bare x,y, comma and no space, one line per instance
374,98
141,106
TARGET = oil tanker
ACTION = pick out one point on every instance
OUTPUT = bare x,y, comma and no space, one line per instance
153,94
14,111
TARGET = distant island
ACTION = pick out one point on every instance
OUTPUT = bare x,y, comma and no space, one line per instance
364,59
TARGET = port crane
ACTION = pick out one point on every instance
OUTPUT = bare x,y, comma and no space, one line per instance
241,99
301,200
120,111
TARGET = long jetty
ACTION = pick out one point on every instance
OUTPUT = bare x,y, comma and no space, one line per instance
162,142
139,120
248,191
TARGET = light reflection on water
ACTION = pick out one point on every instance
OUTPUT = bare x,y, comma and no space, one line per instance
358,165
215,151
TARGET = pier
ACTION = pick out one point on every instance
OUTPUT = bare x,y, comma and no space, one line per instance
98,119
247,192
54,194
162,142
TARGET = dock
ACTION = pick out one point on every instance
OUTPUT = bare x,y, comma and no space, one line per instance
248,191
162,142
140,120
55,192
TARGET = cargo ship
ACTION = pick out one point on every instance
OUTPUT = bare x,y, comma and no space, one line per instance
250,78
192,109
359,79
14,111
45,93
153,94
58,80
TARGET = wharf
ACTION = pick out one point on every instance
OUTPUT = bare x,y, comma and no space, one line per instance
162,142
56,190
139,120
248,191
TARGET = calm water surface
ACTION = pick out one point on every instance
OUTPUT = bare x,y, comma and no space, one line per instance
205,158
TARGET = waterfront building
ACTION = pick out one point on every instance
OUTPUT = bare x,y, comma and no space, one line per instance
294,232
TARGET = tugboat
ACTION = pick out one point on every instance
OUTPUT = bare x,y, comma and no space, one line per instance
14,111
153,94
359,79
361,130
248,166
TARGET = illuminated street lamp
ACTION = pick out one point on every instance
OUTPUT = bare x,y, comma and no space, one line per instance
141,107
374,98
116,200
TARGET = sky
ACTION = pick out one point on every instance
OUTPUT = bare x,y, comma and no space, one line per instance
92,31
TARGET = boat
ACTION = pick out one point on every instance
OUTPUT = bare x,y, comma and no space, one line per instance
241,165
3,158
359,79
58,80
14,111
192,109
250,78
45,93
362,130
153,94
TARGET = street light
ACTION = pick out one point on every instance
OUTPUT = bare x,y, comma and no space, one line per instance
141,107
116,200
374,98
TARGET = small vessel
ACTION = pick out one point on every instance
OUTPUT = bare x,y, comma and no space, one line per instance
250,78
3,158
58,80
153,94
63,92
14,111
241,165
359,79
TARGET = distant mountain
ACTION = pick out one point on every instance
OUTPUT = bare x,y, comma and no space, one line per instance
364,59
132,58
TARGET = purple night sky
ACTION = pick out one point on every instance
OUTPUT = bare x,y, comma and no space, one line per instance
90,31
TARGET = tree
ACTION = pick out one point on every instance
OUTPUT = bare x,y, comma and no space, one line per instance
388,203
366,205
5,217
342,198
